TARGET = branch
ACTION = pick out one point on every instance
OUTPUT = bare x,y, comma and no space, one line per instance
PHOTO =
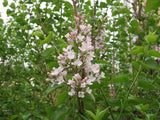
75,9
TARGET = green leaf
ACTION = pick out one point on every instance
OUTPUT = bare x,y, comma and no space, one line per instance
83,117
145,85
154,53
136,64
50,89
68,4
134,100
91,114
134,23
103,5
151,63
12,5
101,114
5,3
38,33
89,97
26,116
92,97
145,107
62,97
88,3
134,27
10,12
48,51
120,79
138,50
151,116
47,39
60,113
142,108
13,117
1,22
152,38
51,110
152,5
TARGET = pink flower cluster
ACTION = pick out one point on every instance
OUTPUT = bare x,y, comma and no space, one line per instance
76,61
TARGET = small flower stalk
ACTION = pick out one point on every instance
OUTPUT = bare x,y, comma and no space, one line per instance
75,63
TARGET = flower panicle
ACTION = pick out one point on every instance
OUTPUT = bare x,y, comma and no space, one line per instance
71,61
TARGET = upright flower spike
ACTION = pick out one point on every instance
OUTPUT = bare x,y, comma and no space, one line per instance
77,59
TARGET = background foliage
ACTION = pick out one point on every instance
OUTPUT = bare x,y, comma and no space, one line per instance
33,37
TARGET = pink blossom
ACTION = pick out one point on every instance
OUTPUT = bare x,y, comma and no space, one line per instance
89,26
81,94
82,21
69,40
65,54
72,92
82,27
80,37
53,68
77,63
91,79
83,85
59,62
82,16
72,33
86,46
60,56
72,83
77,76
69,28
60,79
71,54
75,32
47,79
88,90
67,35
64,73
76,18
68,48
95,68
56,71
102,75
88,39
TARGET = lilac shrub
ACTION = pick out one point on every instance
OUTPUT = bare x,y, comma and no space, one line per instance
77,59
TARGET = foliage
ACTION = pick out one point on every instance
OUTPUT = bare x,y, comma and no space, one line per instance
126,41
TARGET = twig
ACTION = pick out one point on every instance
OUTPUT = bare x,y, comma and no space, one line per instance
75,9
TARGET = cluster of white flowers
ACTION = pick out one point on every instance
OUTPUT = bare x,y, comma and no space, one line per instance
76,59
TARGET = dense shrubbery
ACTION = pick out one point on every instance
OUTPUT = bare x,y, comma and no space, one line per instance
76,60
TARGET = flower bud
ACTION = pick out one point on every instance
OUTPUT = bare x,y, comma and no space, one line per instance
82,21
82,17
69,28
72,33
59,62
67,35
77,76
53,68
60,56
69,40
47,79
65,54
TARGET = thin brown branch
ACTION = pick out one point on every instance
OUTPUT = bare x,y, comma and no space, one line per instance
75,9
